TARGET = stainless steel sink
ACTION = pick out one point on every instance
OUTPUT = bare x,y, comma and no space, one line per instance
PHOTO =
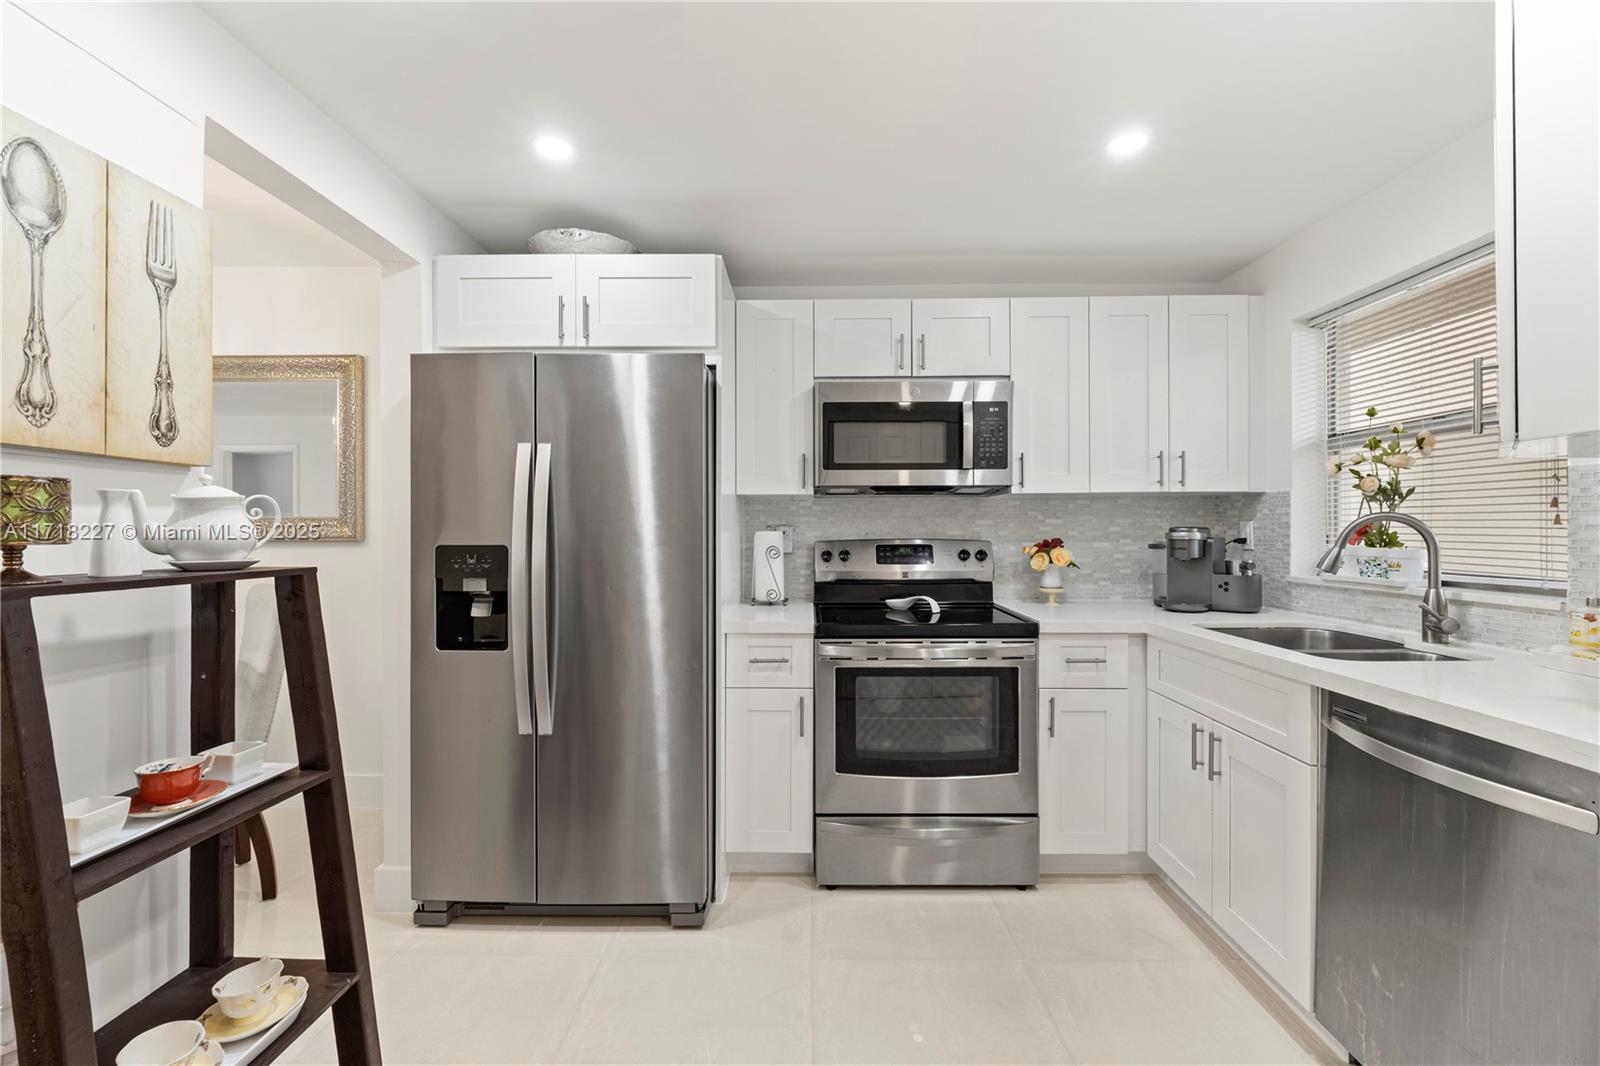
1309,639
1388,655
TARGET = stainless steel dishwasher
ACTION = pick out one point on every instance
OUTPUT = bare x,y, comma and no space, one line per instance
1459,914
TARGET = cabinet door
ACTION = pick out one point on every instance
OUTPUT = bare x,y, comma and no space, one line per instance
647,301
1178,796
1128,394
1083,771
769,769
863,338
773,388
1050,379
1208,382
1263,862
504,301
962,338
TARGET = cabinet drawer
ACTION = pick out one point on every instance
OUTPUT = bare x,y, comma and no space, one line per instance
776,661
1083,662
1279,713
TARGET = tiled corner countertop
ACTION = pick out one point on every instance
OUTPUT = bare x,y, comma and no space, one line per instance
1500,694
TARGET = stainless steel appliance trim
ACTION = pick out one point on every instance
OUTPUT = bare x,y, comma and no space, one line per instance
1195,731
561,318
895,826
1563,814
1052,716
1213,765
1161,467
955,651
519,585
543,697
1183,468
968,445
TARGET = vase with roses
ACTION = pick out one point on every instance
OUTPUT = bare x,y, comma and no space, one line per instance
1050,559
1376,473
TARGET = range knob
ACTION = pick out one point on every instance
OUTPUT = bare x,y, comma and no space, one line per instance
982,555
963,555
827,557
844,555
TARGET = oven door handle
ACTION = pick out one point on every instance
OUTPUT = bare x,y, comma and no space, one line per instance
956,653
894,827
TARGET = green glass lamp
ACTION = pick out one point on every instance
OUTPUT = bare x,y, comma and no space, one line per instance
33,510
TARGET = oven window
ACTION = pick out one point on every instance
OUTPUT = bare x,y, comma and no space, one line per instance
920,722
886,436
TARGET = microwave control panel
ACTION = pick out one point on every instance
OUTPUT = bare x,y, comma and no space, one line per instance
991,436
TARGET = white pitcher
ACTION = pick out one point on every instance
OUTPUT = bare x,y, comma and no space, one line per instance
115,551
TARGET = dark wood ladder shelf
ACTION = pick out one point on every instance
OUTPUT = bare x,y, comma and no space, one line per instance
40,890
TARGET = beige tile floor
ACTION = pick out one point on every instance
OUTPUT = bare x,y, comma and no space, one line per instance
1082,970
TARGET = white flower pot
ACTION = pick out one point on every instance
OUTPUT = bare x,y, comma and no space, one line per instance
1399,565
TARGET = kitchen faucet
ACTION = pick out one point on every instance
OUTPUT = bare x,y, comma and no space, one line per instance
1437,625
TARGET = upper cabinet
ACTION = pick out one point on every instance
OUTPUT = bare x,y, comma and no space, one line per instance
903,338
1547,217
1169,391
1050,395
576,301
773,397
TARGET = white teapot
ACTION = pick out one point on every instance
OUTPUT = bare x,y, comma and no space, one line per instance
209,524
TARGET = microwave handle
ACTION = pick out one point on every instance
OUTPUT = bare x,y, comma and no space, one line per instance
968,445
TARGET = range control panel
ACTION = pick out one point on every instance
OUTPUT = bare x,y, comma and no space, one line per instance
470,599
991,436
900,560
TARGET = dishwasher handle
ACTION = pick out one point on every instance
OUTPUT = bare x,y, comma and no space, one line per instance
1515,799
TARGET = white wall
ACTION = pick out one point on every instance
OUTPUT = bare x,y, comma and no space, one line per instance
150,87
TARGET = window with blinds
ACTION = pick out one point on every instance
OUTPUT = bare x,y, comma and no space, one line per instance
1423,353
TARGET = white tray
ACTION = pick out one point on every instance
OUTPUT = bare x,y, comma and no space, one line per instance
239,1052
134,828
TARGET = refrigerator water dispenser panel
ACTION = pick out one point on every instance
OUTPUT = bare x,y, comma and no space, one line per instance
469,582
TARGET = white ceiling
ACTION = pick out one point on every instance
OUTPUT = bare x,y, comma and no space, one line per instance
895,143
252,228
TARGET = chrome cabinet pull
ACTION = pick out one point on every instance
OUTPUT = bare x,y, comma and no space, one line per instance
1161,468
802,716
1194,747
922,343
1091,661
1022,470
802,469
1213,764
561,318
1052,716
586,319
767,662
1477,395
1183,468
900,352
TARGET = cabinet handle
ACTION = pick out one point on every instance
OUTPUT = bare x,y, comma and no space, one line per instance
1022,470
1477,395
1213,766
561,319
1161,468
900,352
586,320
922,344
802,469
1183,468
1052,716
1101,661
802,716
1194,747
767,662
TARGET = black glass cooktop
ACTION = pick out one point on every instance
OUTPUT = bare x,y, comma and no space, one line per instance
968,621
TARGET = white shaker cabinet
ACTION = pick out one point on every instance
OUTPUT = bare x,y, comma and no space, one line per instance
1208,407
1083,771
1178,796
504,301
862,338
962,338
1128,394
1050,378
647,301
769,770
773,419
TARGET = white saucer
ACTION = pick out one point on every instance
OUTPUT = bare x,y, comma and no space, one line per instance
291,996
214,564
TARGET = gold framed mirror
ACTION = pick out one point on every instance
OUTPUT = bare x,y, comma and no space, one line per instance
292,427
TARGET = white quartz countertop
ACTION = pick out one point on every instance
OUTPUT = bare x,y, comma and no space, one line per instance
1503,695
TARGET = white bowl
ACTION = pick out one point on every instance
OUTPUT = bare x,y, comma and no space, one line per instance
181,1043
238,761
249,990
93,820
580,241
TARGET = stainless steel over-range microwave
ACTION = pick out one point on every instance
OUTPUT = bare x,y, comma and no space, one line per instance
913,435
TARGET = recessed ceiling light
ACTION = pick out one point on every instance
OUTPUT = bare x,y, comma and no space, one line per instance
552,148
1128,143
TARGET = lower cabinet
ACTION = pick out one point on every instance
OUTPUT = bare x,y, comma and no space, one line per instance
1083,771
769,769
1233,823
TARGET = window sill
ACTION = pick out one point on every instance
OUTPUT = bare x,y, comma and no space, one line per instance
1524,600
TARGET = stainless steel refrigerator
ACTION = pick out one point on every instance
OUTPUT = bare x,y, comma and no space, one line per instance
562,666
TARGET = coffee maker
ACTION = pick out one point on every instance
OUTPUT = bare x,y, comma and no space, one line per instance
1193,574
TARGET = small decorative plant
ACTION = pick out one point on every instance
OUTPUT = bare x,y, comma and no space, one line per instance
1049,552
1375,473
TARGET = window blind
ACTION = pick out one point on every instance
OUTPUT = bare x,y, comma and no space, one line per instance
1424,355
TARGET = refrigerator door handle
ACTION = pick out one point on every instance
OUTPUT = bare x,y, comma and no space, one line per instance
519,585
543,694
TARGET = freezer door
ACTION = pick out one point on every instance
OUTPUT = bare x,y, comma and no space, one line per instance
472,754
624,797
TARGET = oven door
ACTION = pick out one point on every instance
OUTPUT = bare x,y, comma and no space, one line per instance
912,435
927,727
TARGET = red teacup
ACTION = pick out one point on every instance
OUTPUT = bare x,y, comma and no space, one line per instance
167,781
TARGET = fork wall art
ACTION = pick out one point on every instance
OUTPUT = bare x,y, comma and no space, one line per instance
52,290
158,324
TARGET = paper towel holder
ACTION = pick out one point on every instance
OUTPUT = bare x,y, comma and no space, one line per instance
770,556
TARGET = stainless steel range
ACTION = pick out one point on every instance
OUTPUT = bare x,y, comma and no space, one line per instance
927,714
